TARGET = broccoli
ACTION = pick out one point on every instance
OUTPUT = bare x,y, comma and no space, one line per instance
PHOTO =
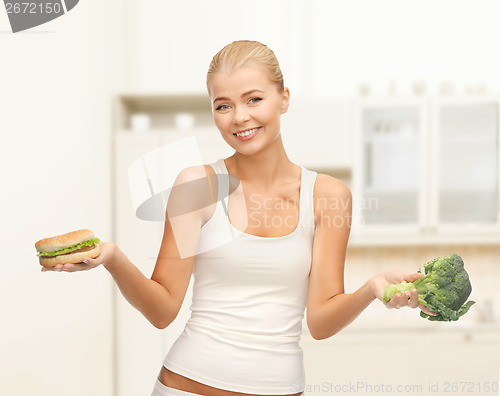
443,289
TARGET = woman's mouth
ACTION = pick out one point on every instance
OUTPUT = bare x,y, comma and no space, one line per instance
248,134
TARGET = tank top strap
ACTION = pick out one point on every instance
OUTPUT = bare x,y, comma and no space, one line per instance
218,169
307,199
223,181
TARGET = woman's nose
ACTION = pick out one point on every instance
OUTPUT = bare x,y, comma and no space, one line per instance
240,115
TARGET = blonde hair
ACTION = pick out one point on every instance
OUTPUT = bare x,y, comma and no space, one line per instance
242,53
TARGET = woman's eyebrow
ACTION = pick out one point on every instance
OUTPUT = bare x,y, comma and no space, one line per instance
243,95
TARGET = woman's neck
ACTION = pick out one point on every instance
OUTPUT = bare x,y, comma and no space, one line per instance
264,170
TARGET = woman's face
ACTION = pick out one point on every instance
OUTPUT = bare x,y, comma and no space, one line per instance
246,100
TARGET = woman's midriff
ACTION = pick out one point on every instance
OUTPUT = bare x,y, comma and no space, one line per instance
177,381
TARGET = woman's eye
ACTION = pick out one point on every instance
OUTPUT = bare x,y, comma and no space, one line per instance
222,107
255,100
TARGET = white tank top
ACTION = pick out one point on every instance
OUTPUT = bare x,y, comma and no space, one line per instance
249,298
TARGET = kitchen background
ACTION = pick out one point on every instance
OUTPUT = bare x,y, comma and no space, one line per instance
399,99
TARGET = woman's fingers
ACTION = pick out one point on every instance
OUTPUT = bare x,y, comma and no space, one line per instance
393,301
76,267
406,299
413,302
426,310
53,268
398,300
413,276
68,267
92,263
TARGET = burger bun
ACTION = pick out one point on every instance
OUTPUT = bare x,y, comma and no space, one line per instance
62,241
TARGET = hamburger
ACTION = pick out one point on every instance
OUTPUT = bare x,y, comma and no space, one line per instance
71,247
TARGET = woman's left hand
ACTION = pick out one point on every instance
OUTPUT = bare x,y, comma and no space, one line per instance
406,299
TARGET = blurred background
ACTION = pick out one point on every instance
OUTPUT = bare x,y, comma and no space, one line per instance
398,99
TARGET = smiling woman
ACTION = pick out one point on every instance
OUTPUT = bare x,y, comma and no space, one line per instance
291,252
247,105
285,251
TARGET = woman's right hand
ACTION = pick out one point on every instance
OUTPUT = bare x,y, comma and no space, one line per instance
107,252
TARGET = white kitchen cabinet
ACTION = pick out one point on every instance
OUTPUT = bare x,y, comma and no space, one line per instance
163,45
390,168
172,118
426,170
357,363
317,133
405,361
462,363
160,44
466,157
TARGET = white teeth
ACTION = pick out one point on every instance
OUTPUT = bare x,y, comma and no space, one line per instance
247,132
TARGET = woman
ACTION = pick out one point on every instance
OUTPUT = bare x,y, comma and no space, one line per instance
288,230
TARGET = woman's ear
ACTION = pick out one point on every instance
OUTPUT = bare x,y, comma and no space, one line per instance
286,100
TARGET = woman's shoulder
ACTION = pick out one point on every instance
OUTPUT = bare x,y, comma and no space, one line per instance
192,172
195,188
330,193
327,185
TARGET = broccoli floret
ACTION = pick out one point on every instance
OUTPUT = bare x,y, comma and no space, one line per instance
443,289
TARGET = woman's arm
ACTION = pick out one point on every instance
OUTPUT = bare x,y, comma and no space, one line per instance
160,298
148,296
329,308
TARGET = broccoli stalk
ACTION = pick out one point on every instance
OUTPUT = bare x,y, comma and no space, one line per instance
423,285
443,289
